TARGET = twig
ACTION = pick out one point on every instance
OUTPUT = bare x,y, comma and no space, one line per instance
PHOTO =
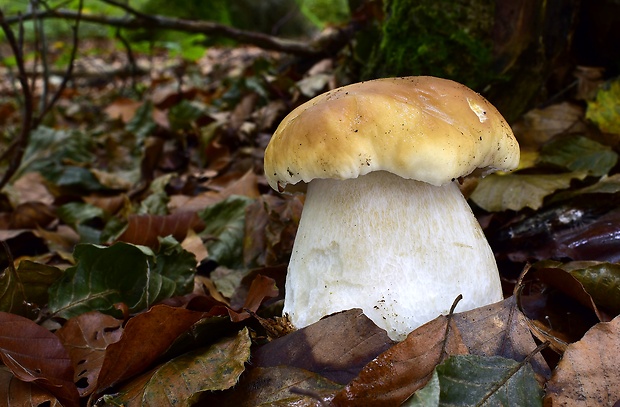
19,146
326,43
68,73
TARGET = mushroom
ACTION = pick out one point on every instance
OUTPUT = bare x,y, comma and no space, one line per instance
384,226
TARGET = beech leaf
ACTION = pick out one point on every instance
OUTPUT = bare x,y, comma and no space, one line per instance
578,153
145,337
36,355
225,222
392,377
181,380
86,338
14,392
471,380
26,290
497,193
121,273
601,280
589,372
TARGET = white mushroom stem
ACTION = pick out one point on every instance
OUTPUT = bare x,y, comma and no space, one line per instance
402,250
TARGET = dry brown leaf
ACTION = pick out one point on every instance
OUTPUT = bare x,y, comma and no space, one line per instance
539,125
276,386
36,355
396,374
231,184
336,347
589,372
123,109
14,392
194,244
86,338
145,229
30,187
500,329
145,338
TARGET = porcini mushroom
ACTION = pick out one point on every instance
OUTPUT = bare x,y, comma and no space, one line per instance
385,227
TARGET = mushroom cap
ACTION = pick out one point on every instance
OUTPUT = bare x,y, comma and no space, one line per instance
424,128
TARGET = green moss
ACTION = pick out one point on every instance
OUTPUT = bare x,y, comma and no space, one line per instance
446,38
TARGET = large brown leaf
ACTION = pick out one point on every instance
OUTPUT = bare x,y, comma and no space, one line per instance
397,373
500,329
589,372
145,229
36,355
14,392
145,338
87,337
336,347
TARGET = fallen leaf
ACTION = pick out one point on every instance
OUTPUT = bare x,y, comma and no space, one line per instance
471,380
497,193
86,338
336,347
123,109
24,290
146,229
392,377
181,380
500,329
139,346
589,372
36,355
540,125
262,287
277,386
14,392
579,153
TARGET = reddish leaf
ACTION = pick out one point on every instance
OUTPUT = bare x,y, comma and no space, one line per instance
145,229
336,347
14,392
396,374
34,354
86,337
145,338
589,372
262,287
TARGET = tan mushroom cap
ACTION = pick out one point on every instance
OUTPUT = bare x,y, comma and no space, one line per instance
424,128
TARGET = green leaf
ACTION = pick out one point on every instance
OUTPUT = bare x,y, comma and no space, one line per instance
606,185
24,291
183,114
177,264
471,380
122,273
225,222
579,153
601,281
514,191
181,380
74,213
142,124
605,110
48,148
428,396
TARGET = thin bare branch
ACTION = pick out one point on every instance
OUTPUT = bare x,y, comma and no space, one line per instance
19,145
68,73
326,43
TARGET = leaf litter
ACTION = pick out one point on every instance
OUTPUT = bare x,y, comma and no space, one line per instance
147,168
